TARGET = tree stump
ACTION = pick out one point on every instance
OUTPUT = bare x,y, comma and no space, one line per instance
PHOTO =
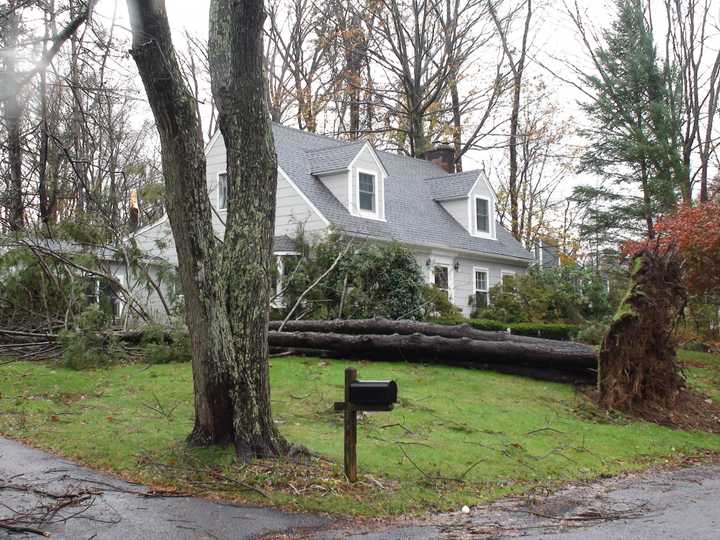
638,371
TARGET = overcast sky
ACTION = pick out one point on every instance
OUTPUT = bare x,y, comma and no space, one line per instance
556,46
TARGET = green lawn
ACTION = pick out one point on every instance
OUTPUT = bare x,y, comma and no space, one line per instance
457,436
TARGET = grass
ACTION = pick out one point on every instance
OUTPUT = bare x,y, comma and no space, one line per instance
456,437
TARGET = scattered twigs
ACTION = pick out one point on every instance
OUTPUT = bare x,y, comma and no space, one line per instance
22,529
47,508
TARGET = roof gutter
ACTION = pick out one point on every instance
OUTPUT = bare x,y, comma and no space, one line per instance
529,260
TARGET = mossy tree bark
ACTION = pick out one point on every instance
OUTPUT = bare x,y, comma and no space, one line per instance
235,53
637,363
226,286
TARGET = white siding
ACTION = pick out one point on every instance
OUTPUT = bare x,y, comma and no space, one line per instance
157,241
458,209
291,210
463,210
338,184
365,161
482,189
463,279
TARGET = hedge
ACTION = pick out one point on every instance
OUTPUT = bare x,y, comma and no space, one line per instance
559,331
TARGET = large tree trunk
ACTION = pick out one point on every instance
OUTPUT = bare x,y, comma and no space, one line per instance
415,347
236,67
13,109
637,369
226,321
380,326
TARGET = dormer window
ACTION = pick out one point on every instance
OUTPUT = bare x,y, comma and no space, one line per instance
222,191
366,192
482,215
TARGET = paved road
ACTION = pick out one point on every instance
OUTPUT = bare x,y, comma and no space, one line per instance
119,511
680,504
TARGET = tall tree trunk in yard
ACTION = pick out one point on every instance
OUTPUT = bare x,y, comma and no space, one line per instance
226,321
13,116
235,54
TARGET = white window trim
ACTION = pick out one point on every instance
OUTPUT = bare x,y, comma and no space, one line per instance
473,217
217,192
278,301
379,213
376,198
451,278
504,273
487,283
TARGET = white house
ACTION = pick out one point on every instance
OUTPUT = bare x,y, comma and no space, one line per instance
447,220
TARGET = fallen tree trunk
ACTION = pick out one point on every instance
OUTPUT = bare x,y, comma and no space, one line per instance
412,341
380,326
423,347
587,376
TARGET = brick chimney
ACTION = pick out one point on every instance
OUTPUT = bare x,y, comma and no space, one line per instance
442,155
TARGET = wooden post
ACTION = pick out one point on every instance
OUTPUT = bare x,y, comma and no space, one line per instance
350,429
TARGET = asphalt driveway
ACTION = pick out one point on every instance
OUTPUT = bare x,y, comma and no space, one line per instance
55,496
101,507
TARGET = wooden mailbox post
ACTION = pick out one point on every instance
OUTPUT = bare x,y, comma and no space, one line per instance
361,396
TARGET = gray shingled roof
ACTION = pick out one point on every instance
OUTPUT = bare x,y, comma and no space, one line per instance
412,216
333,158
452,186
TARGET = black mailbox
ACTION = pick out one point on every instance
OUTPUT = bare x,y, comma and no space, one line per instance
373,395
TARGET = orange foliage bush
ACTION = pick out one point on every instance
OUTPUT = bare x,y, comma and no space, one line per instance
695,233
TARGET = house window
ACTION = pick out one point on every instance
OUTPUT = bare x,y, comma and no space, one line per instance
442,278
481,289
482,215
222,191
508,278
367,192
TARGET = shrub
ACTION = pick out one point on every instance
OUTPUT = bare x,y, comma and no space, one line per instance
486,324
592,333
559,331
437,305
372,279
564,332
85,347
161,345
568,294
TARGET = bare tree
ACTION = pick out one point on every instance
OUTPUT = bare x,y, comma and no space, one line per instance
303,51
517,59
542,164
687,47
12,112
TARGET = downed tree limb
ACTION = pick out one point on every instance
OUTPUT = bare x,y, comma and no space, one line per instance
412,341
380,326
423,347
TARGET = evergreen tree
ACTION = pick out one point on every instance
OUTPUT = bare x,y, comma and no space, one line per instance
634,134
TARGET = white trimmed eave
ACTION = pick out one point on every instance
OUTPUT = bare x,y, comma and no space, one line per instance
448,249
375,157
